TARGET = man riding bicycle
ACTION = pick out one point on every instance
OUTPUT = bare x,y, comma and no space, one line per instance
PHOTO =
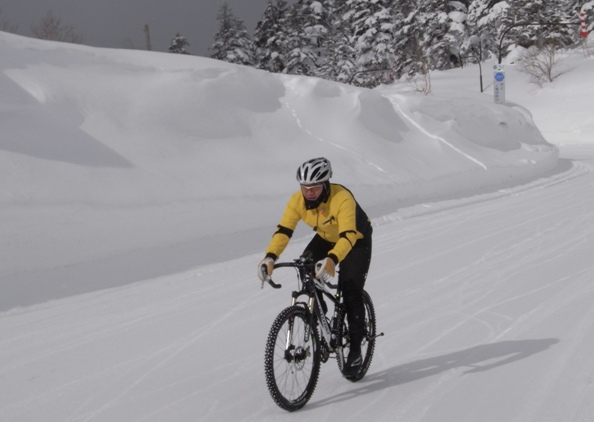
343,236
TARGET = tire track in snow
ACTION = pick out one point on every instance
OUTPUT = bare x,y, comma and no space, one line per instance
432,136
577,169
170,352
516,248
322,140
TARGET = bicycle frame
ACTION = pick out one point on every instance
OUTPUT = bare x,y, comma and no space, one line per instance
312,287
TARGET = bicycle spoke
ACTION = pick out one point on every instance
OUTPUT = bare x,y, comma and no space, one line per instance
292,363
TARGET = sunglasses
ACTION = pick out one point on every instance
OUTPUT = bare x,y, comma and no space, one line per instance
312,187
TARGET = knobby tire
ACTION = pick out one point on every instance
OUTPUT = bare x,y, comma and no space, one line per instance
292,361
368,343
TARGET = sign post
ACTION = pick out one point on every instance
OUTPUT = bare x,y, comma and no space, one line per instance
499,83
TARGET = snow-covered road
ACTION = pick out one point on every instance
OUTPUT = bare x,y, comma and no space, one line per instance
486,305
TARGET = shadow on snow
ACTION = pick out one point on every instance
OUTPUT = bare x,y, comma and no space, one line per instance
476,359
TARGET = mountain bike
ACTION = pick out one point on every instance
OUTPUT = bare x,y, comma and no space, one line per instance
302,337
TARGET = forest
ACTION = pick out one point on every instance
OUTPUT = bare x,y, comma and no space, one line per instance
370,42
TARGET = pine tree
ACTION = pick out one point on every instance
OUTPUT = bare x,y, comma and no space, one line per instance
436,38
538,12
410,57
363,41
558,11
270,37
308,26
482,26
232,42
495,21
179,44
571,13
339,55
372,28
457,32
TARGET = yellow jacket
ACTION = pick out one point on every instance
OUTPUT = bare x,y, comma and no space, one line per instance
340,220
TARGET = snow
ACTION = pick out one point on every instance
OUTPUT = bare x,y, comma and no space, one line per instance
139,190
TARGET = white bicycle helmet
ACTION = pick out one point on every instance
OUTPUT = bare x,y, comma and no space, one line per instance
316,170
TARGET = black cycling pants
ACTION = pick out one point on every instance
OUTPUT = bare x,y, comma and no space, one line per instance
351,280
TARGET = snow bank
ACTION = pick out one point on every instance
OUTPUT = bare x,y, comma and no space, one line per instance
129,164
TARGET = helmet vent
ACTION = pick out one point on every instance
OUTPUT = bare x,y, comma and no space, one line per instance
316,170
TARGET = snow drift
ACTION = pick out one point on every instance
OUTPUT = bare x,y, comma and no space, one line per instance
124,164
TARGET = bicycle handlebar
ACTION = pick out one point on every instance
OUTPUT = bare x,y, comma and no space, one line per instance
272,283
268,279
294,264
298,263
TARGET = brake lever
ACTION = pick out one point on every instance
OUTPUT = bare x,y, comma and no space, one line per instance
268,280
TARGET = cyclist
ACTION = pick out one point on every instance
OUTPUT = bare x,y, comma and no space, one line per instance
343,236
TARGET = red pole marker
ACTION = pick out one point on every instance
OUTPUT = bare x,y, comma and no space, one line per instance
583,30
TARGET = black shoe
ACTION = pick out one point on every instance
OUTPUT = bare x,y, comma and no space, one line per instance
353,365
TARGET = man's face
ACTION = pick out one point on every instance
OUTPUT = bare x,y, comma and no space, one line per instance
311,192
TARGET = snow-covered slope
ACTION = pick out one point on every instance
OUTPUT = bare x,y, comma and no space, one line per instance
121,166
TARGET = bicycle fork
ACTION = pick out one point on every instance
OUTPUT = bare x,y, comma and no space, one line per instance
293,354
296,355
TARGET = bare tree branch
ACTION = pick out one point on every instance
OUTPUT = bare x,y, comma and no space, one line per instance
51,28
540,64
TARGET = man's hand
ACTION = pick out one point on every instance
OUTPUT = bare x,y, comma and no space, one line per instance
265,268
325,269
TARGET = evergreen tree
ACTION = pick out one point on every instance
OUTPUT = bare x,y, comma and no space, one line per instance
442,32
565,34
232,42
410,58
338,52
270,37
178,45
362,41
543,13
307,28
494,22
372,28
514,18
482,26
571,12
457,33
558,11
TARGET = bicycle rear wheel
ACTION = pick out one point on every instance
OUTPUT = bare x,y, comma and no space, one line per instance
292,359
368,343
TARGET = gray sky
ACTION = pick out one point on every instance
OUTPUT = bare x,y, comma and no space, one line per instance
120,23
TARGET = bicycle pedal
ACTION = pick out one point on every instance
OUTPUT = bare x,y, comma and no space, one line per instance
376,336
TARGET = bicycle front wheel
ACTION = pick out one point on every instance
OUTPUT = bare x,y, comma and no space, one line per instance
292,359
